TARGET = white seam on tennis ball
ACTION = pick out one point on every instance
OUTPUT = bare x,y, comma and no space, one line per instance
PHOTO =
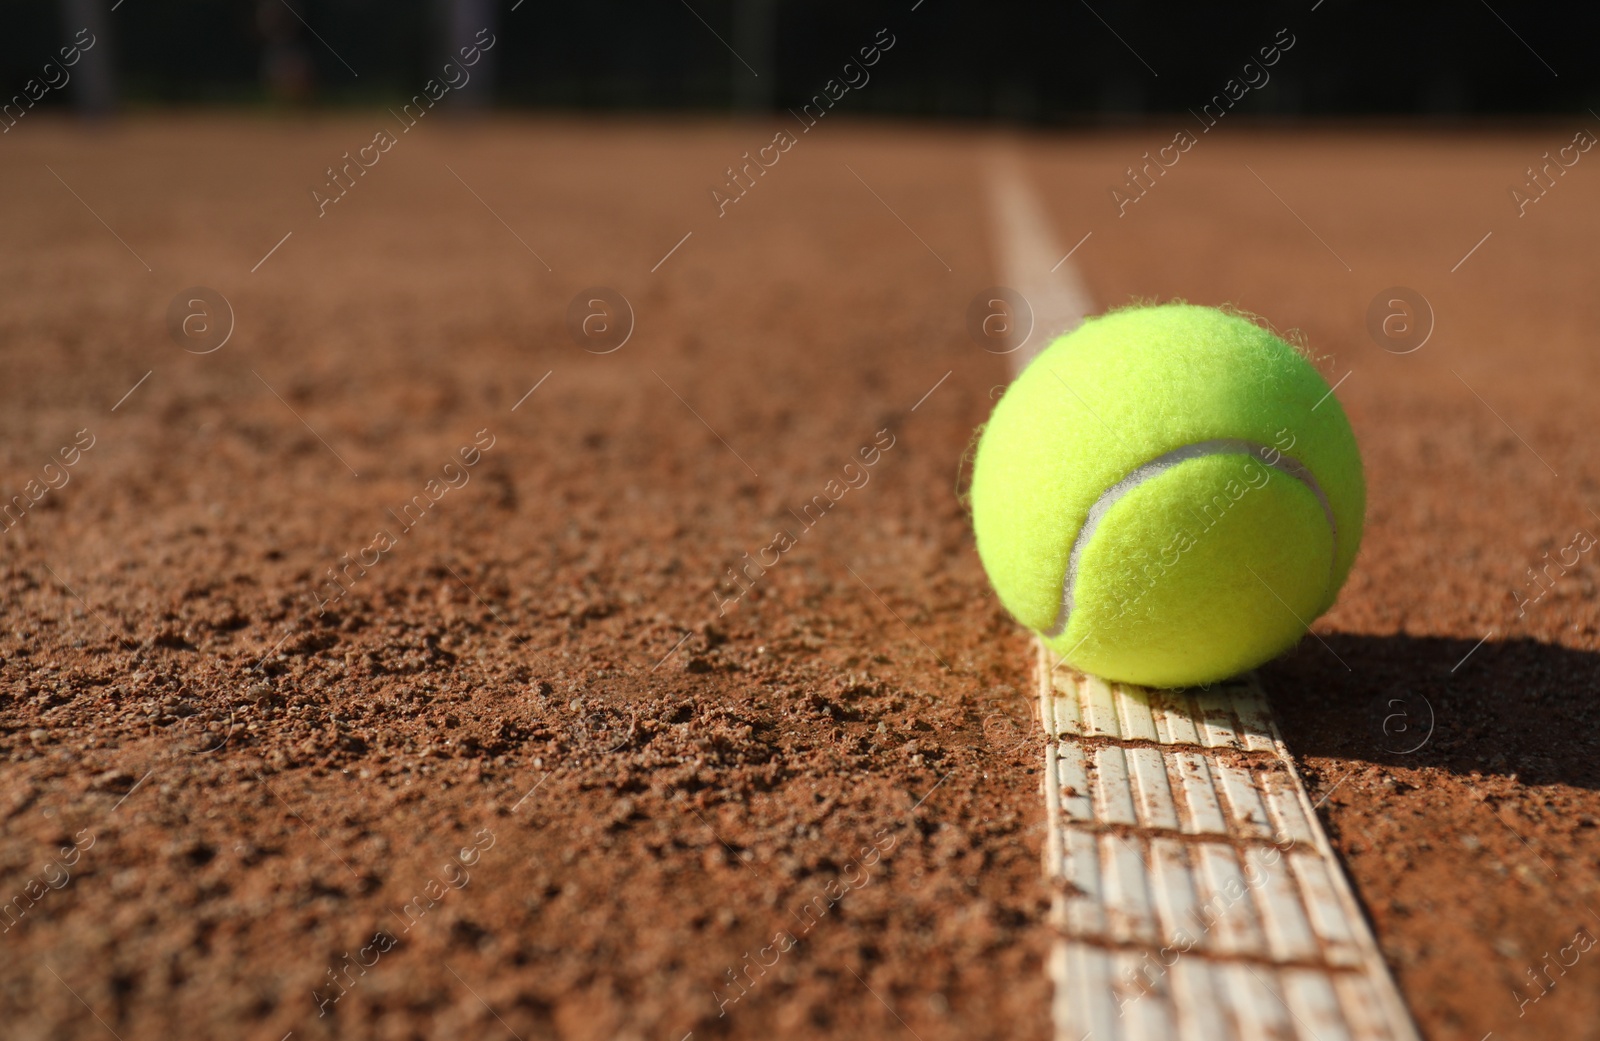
1161,464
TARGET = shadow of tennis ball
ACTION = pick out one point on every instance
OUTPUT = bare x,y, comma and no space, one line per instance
1408,722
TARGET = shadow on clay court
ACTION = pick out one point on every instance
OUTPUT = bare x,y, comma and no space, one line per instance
1514,707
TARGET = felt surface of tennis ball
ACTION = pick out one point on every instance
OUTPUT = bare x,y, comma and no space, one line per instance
1169,495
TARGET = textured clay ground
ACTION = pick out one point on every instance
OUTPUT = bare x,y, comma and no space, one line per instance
521,774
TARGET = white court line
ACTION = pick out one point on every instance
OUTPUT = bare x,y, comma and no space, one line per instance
1149,820
1029,261
1172,860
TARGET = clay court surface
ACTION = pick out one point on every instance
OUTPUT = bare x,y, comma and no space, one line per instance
524,747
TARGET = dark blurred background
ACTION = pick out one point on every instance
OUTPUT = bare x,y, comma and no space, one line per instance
1071,61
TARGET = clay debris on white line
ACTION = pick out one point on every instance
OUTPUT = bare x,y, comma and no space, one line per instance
1195,892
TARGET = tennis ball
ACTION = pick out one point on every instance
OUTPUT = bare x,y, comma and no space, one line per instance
1168,495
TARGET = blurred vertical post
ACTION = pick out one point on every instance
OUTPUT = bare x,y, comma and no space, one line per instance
95,79
286,71
463,21
754,38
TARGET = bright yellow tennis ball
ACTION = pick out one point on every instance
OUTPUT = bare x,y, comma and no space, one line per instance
1169,495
